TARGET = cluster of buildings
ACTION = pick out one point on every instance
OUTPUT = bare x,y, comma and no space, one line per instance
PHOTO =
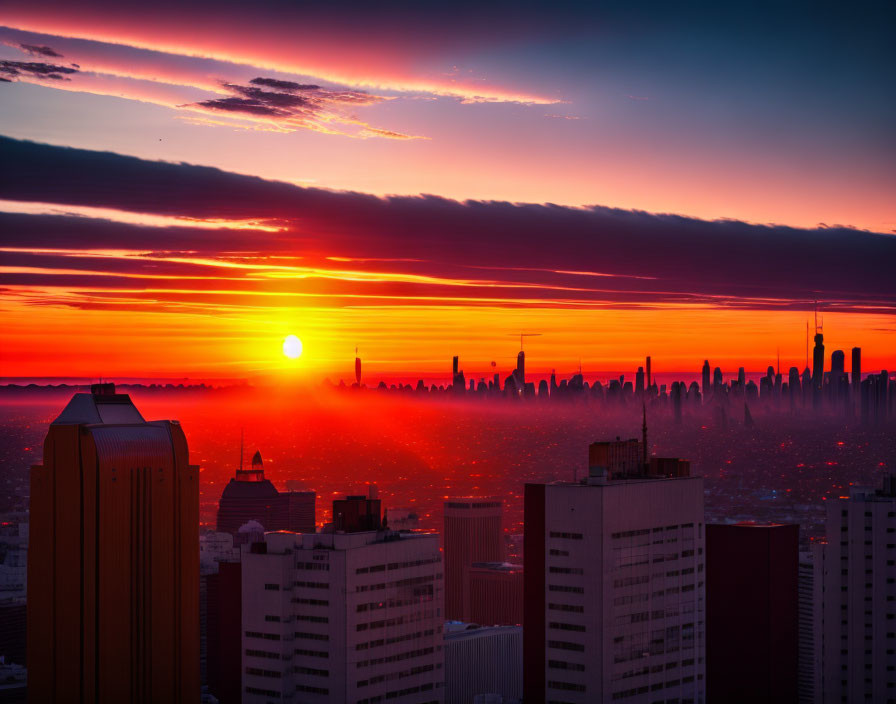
833,391
626,594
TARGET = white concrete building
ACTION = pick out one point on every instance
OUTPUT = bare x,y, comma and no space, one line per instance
615,590
343,617
856,611
483,661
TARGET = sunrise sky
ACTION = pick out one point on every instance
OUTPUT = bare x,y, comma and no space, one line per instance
183,185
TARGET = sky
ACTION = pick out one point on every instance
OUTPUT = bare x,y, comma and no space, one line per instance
184,184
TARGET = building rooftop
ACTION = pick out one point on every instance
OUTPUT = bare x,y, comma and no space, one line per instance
104,407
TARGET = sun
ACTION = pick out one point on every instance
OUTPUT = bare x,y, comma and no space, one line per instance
292,347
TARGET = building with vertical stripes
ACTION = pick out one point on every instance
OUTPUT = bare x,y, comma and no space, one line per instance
113,564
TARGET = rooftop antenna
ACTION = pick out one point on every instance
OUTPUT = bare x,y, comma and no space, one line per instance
241,449
807,344
526,334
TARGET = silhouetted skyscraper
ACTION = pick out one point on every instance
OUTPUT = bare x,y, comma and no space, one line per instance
251,497
817,367
113,560
705,387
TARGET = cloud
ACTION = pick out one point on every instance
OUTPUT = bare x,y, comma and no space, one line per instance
35,69
357,248
295,106
36,50
283,85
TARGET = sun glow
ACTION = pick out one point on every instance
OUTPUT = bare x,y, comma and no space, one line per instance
292,347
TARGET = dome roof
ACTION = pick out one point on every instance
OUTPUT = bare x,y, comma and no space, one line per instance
237,489
256,460
251,527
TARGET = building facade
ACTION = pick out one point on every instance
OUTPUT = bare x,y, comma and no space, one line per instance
113,564
343,617
249,496
614,590
752,636
856,608
472,534
483,661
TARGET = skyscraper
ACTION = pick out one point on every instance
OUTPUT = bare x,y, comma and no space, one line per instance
343,616
856,614
251,497
113,564
752,632
705,387
817,367
472,534
483,661
520,371
614,598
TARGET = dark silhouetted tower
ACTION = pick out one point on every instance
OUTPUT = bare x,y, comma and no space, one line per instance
705,387
113,559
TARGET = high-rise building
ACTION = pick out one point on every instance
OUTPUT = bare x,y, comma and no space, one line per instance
705,388
472,534
856,613
856,369
493,594
113,564
251,497
224,633
806,652
483,661
752,634
520,371
343,617
614,590
817,367
618,457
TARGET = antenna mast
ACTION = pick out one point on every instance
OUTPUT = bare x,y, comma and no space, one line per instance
241,449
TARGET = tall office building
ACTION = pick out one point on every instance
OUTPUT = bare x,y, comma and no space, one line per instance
251,497
343,617
806,652
472,534
614,589
482,661
855,616
113,564
224,633
705,389
817,367
752,634
493,594
856,369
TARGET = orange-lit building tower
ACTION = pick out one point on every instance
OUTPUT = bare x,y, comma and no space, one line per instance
113,560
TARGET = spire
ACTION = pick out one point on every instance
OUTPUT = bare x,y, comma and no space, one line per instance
241,449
